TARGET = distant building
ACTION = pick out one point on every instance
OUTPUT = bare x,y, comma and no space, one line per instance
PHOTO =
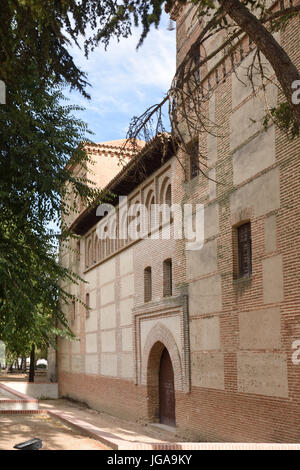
201,339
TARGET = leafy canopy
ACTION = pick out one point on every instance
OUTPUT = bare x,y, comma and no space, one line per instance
40,143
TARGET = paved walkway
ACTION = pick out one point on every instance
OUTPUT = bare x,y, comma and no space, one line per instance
65,424
115,432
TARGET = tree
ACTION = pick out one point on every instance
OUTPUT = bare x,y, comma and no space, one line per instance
45,29
40,143
248,29
38,135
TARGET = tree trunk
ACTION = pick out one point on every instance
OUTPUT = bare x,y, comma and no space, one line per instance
286,72
32,364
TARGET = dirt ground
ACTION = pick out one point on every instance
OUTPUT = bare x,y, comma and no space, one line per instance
15,429
40,376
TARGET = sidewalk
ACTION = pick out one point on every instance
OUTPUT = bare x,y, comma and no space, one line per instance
64,424
112,431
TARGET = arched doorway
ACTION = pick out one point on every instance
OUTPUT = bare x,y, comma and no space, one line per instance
158,342
166,390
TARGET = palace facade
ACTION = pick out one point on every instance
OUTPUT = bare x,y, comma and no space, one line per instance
203,339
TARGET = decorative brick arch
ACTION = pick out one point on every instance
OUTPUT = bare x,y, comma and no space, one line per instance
163,189
159,338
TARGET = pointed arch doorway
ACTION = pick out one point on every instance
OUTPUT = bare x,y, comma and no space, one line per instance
166,390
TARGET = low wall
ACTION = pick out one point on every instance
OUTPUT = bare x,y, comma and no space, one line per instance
13,400
35,390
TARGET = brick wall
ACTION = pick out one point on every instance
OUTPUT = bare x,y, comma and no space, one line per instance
241,330
229,339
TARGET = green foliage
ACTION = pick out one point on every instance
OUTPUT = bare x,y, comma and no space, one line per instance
42,31
284,118
40,143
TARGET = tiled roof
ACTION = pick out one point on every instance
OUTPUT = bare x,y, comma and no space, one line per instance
120,143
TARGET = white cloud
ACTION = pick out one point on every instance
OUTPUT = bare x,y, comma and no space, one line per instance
152,64
125,81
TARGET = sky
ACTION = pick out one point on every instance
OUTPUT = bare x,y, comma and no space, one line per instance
125,81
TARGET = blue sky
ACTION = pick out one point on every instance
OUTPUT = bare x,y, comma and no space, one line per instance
125,81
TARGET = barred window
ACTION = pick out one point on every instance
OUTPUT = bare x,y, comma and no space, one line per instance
193,149
244,250
167,278
147,284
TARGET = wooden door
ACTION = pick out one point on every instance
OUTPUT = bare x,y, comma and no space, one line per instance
166,390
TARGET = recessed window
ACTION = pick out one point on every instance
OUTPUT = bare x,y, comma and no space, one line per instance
193,151
78,250
99,250
88,253
168,196
244,250
147,284
94,254
87,303
152,215
73,312
196,66
167,278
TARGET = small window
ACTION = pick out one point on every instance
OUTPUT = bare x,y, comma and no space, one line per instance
196,66
87,303
147,284
152,215
99,255
168,202
73,311
167,278
94,249
193,151
168,196
78,251
88,253
244,250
